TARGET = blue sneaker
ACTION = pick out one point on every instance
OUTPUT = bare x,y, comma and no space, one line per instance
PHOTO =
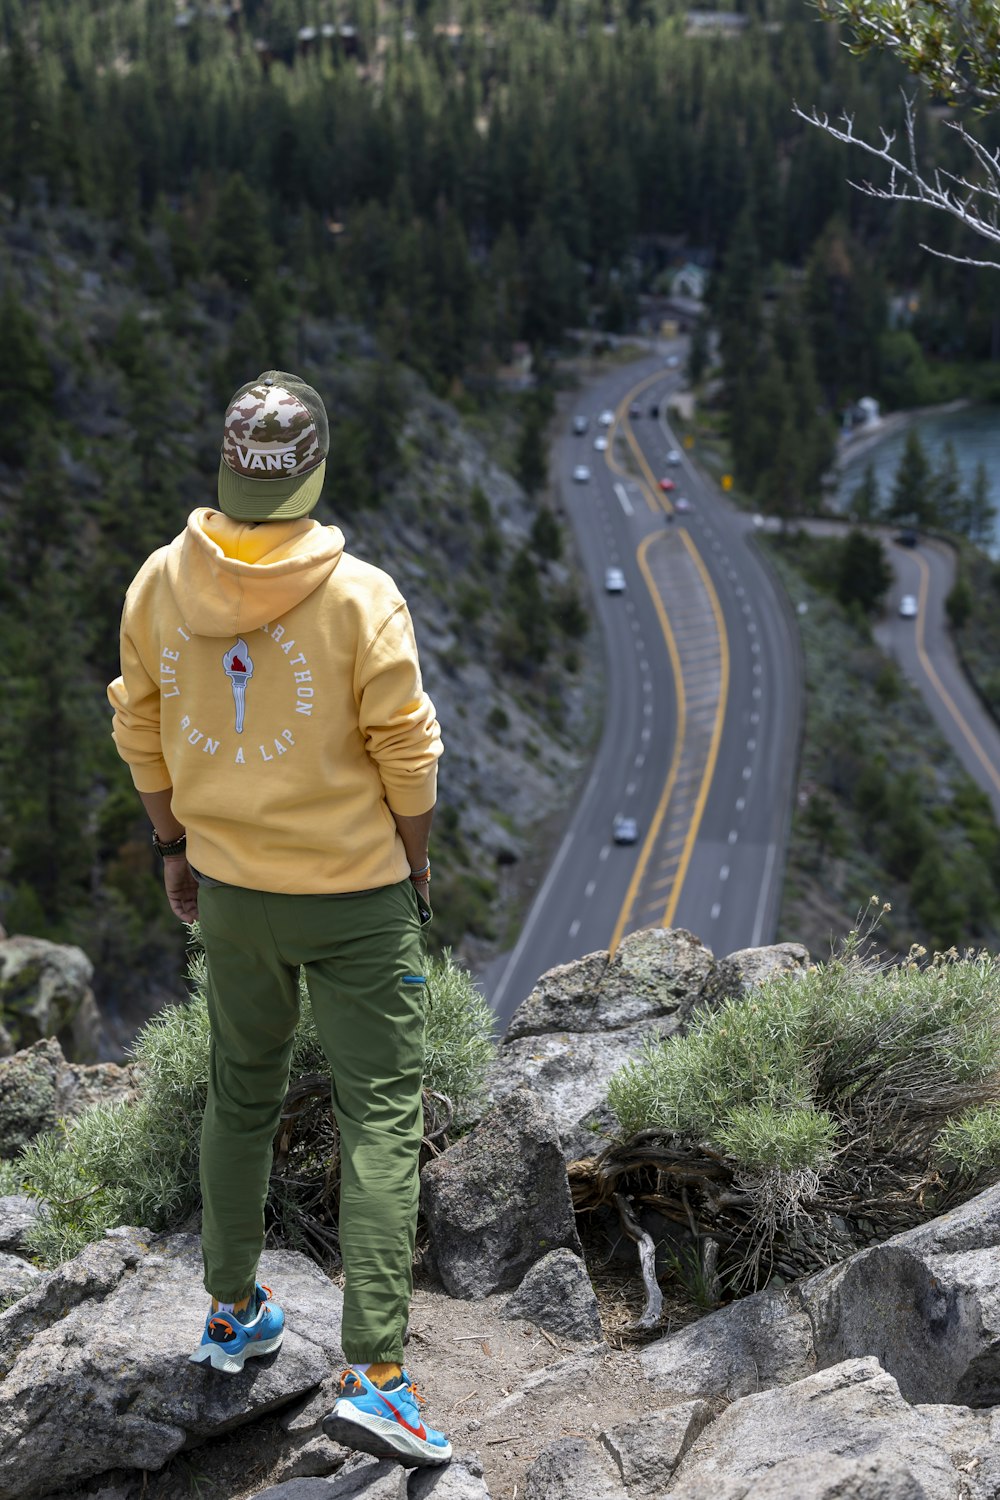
227,1344
384,1421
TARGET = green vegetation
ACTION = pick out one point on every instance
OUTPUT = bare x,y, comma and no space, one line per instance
974,612
137,1163
845,1103
883,804
410,203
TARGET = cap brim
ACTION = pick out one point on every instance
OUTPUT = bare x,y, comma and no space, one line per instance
269,499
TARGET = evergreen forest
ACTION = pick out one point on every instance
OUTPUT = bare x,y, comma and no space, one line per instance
242,182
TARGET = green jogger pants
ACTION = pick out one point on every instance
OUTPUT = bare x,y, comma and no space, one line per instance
363,958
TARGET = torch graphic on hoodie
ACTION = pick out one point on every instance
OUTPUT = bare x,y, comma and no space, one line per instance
238,668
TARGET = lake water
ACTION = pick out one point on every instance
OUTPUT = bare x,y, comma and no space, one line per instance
974,431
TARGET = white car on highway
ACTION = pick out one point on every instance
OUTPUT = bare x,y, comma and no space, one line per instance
624,830
581,474
908,607
601,444
674,457
606,418
614,581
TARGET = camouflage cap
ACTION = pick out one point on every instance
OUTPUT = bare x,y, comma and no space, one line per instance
274,446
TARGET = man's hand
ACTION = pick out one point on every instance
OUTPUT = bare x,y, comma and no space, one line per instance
181,888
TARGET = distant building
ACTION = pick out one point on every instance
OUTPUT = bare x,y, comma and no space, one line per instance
689,281
865,413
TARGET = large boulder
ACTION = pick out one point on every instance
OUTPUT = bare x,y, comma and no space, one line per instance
95,1368
843,1434
45,992
925,1303
585,1020
762,1340
499,1199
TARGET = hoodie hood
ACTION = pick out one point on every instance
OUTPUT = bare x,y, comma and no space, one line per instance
232,576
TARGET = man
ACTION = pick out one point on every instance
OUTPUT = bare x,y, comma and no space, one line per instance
271,712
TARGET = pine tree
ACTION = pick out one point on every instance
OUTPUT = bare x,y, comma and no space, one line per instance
908,499
866,501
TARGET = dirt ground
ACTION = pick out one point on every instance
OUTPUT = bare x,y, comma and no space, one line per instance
466,1359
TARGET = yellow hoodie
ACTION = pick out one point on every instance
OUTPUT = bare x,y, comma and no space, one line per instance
272,681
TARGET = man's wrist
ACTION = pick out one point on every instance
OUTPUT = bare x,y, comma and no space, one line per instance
175,848
422,872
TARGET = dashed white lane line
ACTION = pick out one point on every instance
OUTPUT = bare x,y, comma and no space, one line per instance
639,762
757,669
751,745
733,835
741,803
590,888
755,717
756,692
575,928
751,627
605,852
755,647
747,772
646,734
647,709
716,909
624,500
647,686
630,789
643,664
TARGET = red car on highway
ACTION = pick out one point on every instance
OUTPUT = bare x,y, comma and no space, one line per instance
666,485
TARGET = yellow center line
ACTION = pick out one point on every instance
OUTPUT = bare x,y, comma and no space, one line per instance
713,751
657,502
938,685
652,495
675,662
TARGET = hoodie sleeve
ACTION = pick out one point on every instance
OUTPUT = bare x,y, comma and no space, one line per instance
397,719
135,698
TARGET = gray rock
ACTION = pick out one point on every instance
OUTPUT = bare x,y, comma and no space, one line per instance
462,1479
556,1382
570,1469
851,1414
585,1020
805,1479
17,1276
361,1478
36,1085
653,973
754,966
557,1294
309,1456
97,1369
18,1216
763,1340
648,1451
45,992
925,1304
499,1199
571,1071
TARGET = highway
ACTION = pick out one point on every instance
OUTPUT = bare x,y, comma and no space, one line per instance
703,708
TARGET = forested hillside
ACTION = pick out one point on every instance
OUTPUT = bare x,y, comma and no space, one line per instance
391,200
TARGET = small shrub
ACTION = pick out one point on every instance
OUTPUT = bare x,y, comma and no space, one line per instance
857,1092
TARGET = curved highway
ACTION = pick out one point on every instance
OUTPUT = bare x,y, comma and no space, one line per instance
702,717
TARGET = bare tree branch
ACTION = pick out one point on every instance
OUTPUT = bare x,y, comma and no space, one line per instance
976,204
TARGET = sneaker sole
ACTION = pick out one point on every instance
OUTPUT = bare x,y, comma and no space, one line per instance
382,1438
232,1364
